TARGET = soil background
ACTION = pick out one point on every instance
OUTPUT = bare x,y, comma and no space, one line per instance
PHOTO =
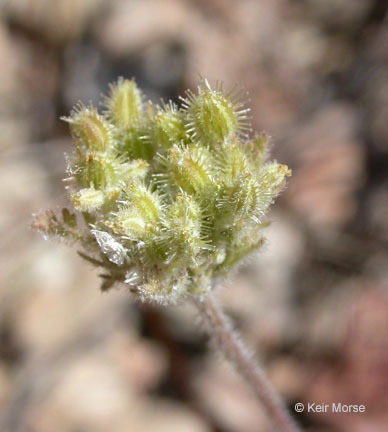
313,304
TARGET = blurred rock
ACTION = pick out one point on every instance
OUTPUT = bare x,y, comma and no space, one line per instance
290,377
12,106
124,31
262,300
90,394
4,386
59,21
378,210
312,302
165,416
141,362
229,399
360,376
328,167
340,14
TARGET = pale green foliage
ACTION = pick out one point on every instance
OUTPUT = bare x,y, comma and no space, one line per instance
172,197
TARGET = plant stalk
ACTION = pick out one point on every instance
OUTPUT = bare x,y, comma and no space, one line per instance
229,343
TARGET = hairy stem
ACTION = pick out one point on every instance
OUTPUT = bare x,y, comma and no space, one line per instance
227,341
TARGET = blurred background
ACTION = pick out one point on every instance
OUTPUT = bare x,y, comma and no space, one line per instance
313,304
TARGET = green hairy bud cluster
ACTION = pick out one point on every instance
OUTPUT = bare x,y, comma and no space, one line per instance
171,197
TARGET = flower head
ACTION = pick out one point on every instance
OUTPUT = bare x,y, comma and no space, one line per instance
172,198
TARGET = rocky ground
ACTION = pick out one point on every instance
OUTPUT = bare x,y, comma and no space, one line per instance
313,304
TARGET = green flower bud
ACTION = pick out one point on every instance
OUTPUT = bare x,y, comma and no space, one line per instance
166,126
139,214
187,168
134,144
184,231
145,202
91,130
129,223
232,161
134,170
97,170
271,181
256,149
125,104
214,116
88,199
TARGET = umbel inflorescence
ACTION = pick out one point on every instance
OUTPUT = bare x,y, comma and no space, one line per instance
170,197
